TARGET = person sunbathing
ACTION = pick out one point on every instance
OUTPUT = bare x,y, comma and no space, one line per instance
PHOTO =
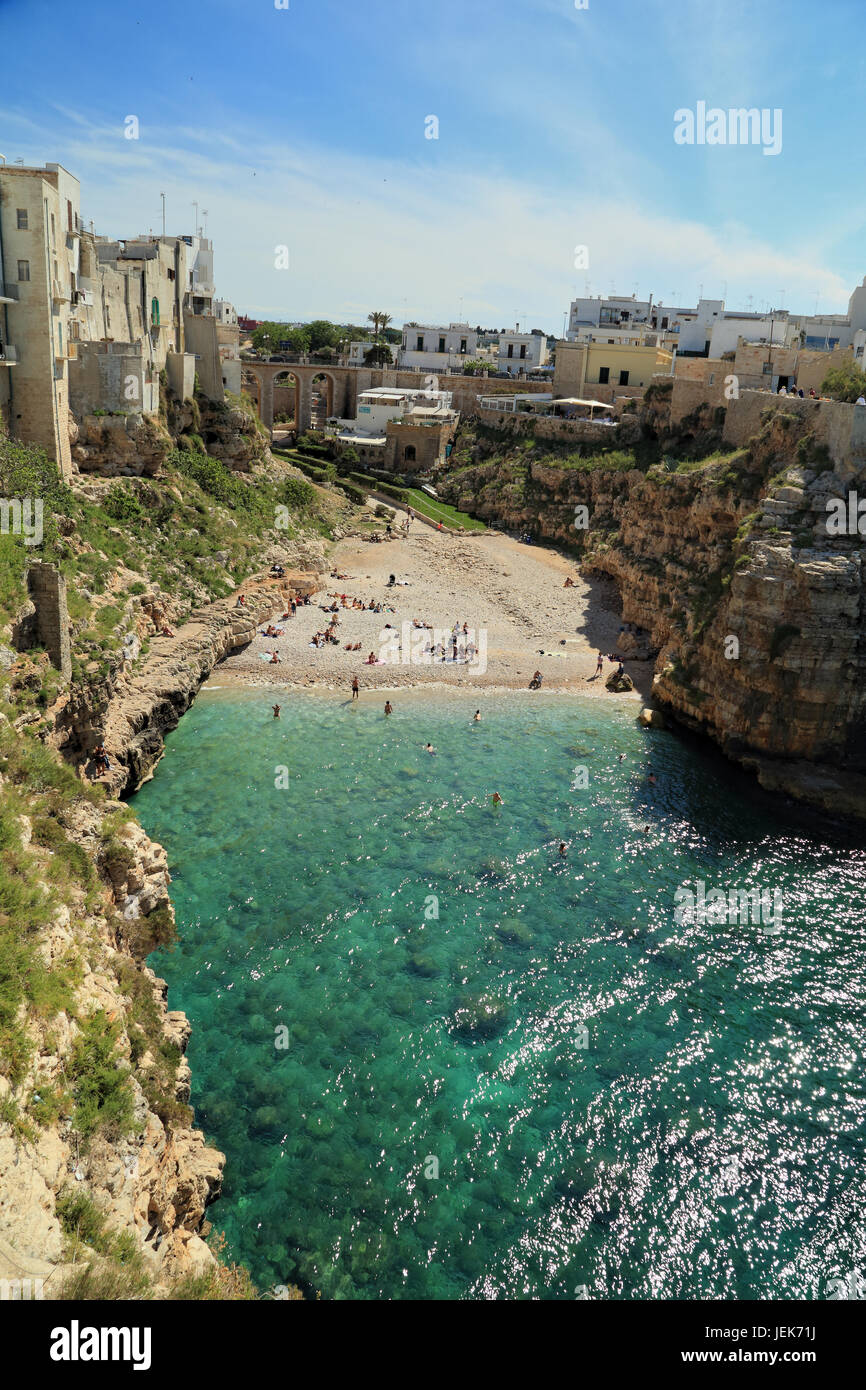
371,659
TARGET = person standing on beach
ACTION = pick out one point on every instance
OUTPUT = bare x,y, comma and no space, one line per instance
355,687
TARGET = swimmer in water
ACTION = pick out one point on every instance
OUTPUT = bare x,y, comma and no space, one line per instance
428,748
562,849
496,800
621,756
476,718
652,779
276,710
389,708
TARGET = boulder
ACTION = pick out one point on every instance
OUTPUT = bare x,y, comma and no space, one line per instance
617,684
651,719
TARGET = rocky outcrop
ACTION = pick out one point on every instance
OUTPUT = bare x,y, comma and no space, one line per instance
752,607
133,710
127,446
155,1181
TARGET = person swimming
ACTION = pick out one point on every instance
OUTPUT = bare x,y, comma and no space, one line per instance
276,709
496,800
562,849
428,748
389,708
476,718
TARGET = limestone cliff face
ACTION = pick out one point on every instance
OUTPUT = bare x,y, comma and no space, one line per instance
156,1181
753,609
135,708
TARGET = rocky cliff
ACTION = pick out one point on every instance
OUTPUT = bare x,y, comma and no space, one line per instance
96,1139
752,607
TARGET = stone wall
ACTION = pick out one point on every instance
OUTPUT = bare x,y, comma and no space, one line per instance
114,378
688,395
201,338
835,424
180,370
47,589
525,424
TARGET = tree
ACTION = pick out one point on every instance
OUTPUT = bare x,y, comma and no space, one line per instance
844,383
322,333
268,338
377,356
380,321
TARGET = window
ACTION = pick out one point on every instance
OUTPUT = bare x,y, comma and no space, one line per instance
441,344
23,270
154,313
603,376
462,344
623,378
53,230
409,453
419,346
170,274
664,322
510,350
22,219
522,349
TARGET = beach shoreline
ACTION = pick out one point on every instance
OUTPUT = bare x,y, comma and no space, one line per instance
512,598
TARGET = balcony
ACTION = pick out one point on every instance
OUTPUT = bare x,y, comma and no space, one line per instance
8,294
8,355
59,293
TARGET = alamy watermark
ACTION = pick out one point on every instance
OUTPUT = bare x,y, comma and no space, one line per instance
424,646
846,516
737,907
737,126
22,517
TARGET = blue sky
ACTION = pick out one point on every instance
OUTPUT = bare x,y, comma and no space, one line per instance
305,127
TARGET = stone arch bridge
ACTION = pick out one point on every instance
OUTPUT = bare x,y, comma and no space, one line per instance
341,388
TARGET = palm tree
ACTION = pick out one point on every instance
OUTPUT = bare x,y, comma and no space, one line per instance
380,321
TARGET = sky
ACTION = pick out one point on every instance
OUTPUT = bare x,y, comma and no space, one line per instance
304,124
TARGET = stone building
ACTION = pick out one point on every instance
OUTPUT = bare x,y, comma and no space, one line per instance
40,234
90,327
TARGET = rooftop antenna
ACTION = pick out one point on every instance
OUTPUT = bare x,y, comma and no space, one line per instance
162,196
204,222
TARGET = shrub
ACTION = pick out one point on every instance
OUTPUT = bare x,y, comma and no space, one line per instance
100,1088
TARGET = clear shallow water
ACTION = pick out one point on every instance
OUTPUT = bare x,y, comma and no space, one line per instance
703,1138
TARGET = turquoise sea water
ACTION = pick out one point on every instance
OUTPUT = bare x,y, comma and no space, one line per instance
552,1084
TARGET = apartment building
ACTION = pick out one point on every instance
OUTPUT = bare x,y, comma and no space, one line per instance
435,348
521,352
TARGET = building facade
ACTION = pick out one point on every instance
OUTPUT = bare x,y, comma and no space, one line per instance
435,348
40,234
521,352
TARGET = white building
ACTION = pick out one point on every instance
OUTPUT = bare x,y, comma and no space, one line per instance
521,352
588,316
434,348
225,313
381,404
